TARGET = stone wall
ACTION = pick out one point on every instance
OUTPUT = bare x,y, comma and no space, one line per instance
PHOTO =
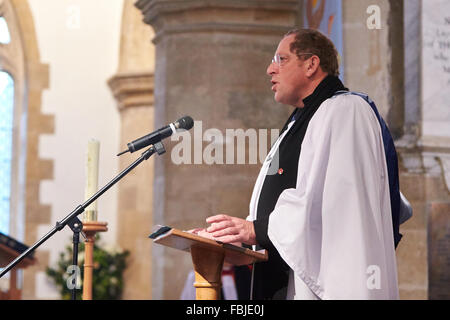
425,151
211,59
76,106
132,87
38,123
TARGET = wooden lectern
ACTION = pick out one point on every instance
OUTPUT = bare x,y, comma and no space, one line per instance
208,257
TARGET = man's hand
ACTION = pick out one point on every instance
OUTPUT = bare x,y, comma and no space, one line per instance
231,229
202,233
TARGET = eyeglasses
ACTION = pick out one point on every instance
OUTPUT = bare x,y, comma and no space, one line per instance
281,60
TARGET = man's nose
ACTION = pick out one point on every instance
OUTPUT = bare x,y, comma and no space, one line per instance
271,68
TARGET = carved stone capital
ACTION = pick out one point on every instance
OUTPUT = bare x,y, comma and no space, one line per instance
235,16
133,89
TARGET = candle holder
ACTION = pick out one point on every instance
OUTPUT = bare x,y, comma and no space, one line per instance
90,229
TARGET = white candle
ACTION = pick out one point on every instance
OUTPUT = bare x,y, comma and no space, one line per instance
91,178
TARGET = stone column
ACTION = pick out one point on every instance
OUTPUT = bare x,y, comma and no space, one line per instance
211,59
134,93
424,152
367,53
132,87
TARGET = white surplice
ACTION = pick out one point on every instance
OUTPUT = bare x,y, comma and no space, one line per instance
334,229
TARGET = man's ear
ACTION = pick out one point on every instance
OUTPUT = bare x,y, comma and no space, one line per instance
313,65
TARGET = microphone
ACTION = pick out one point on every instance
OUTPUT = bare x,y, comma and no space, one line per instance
185,122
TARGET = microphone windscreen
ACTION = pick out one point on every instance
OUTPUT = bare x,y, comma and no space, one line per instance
186,123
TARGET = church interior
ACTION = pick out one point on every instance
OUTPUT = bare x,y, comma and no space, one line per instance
80,79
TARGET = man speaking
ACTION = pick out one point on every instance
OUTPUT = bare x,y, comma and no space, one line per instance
328,213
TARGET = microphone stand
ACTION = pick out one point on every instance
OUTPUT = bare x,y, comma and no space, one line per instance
75,224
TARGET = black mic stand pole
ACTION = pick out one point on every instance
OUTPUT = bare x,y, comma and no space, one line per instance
74,223
77,226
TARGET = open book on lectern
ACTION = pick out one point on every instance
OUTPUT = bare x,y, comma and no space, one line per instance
183,240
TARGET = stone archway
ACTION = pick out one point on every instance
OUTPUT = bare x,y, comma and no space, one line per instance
37,123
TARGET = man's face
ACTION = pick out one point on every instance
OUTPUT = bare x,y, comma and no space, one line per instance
289,77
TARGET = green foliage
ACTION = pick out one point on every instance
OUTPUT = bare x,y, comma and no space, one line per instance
107,282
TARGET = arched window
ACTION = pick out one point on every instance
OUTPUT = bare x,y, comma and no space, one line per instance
23,78
5,37
6,136
13,116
